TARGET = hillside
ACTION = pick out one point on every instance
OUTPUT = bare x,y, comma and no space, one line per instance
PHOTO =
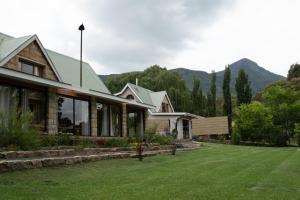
258,76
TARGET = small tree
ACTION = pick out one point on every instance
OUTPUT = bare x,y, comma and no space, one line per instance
285,105
294,72
254,122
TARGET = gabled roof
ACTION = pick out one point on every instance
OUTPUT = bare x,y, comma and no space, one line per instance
69,69
66,68
10,46
147,96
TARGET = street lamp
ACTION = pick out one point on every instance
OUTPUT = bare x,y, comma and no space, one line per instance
81,28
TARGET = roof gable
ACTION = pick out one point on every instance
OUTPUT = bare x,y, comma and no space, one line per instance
10,47
147,96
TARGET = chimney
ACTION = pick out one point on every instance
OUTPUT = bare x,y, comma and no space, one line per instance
136,81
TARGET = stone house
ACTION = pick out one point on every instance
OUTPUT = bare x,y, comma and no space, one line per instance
47,83
162,115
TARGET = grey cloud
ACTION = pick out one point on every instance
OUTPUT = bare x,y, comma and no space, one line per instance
133,34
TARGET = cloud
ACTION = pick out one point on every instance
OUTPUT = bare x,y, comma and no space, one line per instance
131,34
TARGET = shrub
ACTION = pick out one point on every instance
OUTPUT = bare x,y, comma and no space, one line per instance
17,131
235,137
117,142
60,139
149,134
162,139
297,133
254,122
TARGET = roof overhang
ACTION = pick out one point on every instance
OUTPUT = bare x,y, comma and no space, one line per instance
176,114
27,78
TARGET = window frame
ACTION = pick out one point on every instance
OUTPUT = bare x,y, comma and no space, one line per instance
73,114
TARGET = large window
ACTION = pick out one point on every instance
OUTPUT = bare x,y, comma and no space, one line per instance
103,114
27,99
135,123
116,125
108,120
35,102
73,116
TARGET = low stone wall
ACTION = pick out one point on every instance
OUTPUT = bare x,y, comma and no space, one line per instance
13,165
19,160
73,152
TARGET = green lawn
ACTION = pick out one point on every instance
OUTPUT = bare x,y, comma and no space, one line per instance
212,172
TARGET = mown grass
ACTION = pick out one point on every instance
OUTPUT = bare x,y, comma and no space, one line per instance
212,172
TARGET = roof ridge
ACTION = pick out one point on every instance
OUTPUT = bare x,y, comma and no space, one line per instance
140,87
7,35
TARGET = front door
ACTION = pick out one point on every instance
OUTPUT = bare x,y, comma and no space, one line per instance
186,129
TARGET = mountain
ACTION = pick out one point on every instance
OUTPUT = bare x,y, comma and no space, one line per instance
258,76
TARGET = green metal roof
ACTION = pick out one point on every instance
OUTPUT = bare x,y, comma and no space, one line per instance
9,44
67,67
157,99
69,70
148,96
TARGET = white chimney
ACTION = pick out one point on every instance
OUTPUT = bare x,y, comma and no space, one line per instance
136,81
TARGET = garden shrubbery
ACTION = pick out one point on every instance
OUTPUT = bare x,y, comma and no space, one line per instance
117,142
272,122
17,131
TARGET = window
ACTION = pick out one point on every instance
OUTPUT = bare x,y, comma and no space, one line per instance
135,123
81,117
9,97
73,116
35,102
26,99
116,125
103,120
130,97
108,120
164,107
30,68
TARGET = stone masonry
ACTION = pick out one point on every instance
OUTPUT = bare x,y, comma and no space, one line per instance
52,112
124,119
93,117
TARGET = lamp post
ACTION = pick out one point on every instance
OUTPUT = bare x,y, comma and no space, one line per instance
81,28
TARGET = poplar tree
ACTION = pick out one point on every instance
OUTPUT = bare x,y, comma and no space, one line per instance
211,96
227,107
243,88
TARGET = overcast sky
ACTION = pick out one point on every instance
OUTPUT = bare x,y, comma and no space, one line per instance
127,35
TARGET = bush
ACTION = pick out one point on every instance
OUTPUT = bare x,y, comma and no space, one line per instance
17,131
162,139
55,140
297,133
149,134
117,142
254,122
235,137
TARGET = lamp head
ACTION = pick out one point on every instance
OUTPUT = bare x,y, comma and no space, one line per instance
81,27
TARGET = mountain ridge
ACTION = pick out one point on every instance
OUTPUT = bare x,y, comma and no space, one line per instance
258,76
